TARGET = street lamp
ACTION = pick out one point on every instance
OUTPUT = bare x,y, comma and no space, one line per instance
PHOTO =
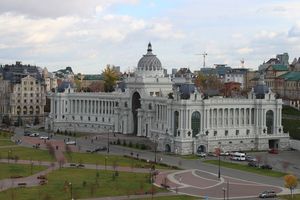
155,147
71,188
108,141
224,192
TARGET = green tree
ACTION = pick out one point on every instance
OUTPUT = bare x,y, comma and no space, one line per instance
110,77
291,182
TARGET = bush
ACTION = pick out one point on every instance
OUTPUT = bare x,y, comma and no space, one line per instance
143,147
118,142
124,143
84,183
130,144
137,145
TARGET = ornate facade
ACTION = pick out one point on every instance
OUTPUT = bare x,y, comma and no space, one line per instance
179,119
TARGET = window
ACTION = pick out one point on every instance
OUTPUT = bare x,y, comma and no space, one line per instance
226,132
195,123
247,132
237,132
89,118
215,133
176,122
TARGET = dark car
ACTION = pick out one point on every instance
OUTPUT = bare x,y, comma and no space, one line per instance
267,194
80,165
266,166
101,149
27,133
252,164
273,151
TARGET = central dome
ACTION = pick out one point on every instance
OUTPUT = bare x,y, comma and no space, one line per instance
149,62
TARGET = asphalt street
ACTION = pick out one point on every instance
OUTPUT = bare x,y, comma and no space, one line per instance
90,142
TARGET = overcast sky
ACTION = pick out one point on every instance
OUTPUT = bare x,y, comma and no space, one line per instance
88,34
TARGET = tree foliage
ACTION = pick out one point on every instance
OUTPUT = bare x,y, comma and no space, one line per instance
110,78
205,82
291,182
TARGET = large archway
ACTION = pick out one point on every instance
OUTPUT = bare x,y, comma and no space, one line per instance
136,104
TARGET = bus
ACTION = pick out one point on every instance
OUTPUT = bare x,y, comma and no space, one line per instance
238,156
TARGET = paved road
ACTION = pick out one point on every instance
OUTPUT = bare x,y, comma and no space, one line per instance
88,143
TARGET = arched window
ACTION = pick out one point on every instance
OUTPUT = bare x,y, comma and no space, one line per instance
25,110
195,123
37,110
270,121
31,110
176,122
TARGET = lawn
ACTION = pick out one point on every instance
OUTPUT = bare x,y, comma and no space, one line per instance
84,184
293,127
10,169
288,110
288,197
5,135
6,142
24,153
92,158
242,167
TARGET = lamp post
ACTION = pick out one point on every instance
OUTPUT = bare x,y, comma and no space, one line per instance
218,152
155,147
8,155
105,162
108,141
71,188
224,192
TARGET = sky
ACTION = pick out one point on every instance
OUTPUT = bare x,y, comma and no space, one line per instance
89,34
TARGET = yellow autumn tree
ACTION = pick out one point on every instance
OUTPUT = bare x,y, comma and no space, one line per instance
110,77
291,182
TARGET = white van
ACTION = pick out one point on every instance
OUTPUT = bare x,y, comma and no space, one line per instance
238,156
71,143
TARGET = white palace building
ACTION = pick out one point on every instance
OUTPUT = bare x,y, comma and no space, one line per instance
177,117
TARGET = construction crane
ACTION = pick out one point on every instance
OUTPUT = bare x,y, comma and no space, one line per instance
204,54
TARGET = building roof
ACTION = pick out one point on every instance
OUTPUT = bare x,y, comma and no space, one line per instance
291,76
149,62
279,67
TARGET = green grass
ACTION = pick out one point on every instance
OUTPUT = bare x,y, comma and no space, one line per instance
288,110
84,185
288,197
24,153
91,158
242,167
5,135
6,142
179,197
293,127
11,169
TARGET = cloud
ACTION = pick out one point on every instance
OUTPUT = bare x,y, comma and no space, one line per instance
164,30
294,31
264,34
245,50
58,8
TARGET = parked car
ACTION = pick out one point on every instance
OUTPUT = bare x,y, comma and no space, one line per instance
101,149
72,165
71,142
44,137
80,165
201,154
273,151
226,153
266,166
34,135
27,133
251,159
252,164
267,194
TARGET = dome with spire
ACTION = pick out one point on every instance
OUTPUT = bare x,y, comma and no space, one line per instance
149,62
